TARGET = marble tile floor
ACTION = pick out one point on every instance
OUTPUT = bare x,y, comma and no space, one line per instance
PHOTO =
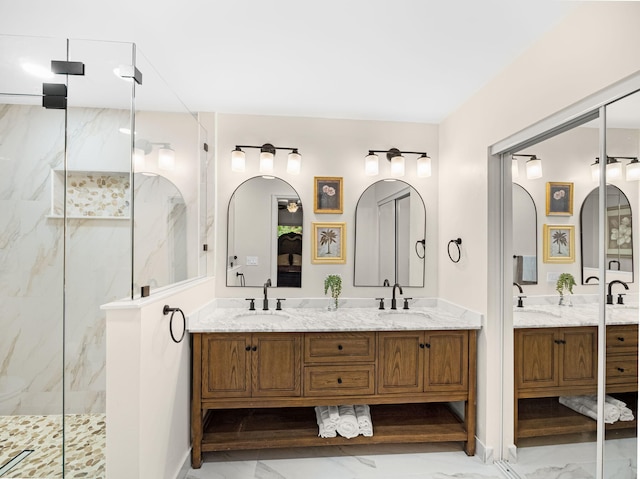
84,436
440,461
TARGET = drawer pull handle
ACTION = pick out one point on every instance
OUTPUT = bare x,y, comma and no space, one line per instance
339,380
621,370
621,339
339,347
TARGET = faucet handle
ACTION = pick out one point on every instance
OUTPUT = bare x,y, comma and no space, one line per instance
406,303
620,298
252,304
278,304
381,303
520,304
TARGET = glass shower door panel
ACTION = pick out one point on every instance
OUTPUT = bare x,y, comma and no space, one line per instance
31,288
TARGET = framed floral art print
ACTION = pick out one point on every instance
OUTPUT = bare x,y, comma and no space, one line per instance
559,199
327,193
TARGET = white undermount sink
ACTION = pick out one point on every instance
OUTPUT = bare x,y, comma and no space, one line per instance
404,315
261,317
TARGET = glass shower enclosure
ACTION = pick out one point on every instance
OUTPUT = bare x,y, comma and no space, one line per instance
101,194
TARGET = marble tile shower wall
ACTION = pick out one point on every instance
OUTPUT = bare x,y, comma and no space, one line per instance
31,265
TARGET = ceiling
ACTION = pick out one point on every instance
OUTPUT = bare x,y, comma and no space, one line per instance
397,60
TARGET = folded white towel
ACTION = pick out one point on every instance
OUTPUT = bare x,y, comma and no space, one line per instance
326,427
334,415
626,414
363,415
589,407
348,423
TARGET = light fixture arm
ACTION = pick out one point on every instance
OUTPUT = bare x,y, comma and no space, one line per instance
533,157
392,152
268,147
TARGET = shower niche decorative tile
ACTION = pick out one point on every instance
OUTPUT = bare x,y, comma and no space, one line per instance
91,194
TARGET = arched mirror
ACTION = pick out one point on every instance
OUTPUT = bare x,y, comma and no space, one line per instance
390,236
264,234
619,254
525,237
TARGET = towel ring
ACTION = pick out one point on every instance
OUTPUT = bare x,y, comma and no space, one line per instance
457,242
422,242
166,310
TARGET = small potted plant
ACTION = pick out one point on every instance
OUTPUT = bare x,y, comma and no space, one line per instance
333,282
564,287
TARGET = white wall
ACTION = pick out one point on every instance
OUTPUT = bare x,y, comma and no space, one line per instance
328,148
595,46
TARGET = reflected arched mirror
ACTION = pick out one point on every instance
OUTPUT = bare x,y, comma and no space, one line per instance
390,236
264,234
525,237
619,240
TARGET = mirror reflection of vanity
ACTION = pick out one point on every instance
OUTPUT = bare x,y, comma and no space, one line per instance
390,236
264,234
525,237
619,255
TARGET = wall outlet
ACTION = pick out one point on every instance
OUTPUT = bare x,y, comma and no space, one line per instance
252,261
552,277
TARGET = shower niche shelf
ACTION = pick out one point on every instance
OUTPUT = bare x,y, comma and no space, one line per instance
91,194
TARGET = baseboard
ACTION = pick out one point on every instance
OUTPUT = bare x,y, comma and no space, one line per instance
186,465
484,453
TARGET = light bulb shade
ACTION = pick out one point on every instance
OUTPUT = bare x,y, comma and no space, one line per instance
614,169
292,207
266,162
166,159
237,160
371,164
534,168
633,170
515,169
397,166
423,165
294,161
595,171
138,159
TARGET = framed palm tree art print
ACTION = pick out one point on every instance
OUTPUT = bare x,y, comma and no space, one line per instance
559,243
329,243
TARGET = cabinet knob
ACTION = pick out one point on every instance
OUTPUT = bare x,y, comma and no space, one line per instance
248,348
621,370
339,380
621,339
339,347
421,345
427,345
255,348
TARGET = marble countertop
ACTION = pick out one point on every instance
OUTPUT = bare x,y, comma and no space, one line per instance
544,312
301,315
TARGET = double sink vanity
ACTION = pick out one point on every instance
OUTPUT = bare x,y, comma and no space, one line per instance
257,375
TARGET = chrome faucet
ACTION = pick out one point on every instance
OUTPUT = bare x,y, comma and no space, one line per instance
610,295
520,304
265,301
393,295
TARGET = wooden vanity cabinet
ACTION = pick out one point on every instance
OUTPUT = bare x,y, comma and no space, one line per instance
553,362
258,390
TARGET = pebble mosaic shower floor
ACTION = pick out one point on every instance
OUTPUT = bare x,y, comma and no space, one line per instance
85,438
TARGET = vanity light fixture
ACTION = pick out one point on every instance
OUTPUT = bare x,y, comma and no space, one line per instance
515,169
423,164
166,155
533,166
267,155
166,158
614,168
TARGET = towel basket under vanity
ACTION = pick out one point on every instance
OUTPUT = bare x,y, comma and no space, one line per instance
258,390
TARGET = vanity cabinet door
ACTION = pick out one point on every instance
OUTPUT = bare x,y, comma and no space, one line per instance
446,361
579,356
400,362
226,365
276,364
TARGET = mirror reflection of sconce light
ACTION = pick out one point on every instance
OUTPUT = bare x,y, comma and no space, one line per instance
166,155
267,155
423,163
533,166
292,207
515,169
614,168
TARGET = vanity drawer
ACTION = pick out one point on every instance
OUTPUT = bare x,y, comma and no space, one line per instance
622,338
622,369
339,347
339,380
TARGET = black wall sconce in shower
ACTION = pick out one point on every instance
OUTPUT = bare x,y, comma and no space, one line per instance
423,164
267,154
